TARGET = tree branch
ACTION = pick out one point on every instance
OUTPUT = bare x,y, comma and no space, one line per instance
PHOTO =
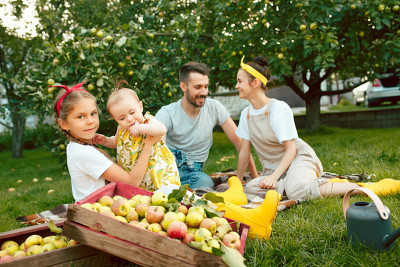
6,125
290,82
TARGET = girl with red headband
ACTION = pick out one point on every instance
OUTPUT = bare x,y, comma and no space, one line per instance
76,113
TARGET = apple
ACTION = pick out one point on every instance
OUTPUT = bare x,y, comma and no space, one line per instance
232,240
201,234
19,181
143,225
134,201
303,27
50,81
22,247
3,253
6,258
183,209
169,217
19,254
149,52
48,239
120,207
11,189
141,209
154,214
87,206
93,30
155,227
72,242
96,206
188,238
132,215
313,26
106,211
209,224
177,229
130,73
280,56
162,233
56,61
208,244
33,240
90,86
220,221
121,64
9,243
34,249
48,247
144,220
395,8
120,218
108,38
134,223
60,242
11,250
145,199
381,7
193,219
116,197
197,209
192,230
353,6
181,217
159,199
99,33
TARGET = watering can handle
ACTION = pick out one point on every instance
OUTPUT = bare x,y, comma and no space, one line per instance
378,203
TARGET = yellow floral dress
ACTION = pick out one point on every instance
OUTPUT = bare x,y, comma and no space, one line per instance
161,170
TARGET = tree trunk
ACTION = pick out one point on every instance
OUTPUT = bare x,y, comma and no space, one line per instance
313,111
18,131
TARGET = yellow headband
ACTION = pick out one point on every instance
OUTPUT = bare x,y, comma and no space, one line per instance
253,72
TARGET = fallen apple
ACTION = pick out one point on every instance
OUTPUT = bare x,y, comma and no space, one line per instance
177,230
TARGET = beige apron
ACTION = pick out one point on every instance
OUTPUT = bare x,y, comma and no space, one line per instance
300,180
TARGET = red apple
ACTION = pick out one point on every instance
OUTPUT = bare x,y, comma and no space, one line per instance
188,238
232,240
154,214
209,224
141,209
120,207
168,218
6,258
183,209
177,229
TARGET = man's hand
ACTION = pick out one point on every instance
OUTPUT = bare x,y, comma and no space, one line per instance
268,182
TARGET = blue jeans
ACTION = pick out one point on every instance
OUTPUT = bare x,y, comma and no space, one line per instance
191,172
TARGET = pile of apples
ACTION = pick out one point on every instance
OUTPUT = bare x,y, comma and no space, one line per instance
189,225
34,244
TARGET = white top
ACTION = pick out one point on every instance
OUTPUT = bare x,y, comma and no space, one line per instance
281,119
193,136
86,164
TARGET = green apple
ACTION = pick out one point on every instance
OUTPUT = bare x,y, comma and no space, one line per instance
193,219
90,86
132,215
192,230
60,242
9,243
19,254
130,73
108,38
353,6
121,64
93,30
395,8
159,199
4,253
33,240
48,239
50,81
99,33
313,26
197,209
106,201
72,242
116,197
56,61
145,199
181,217
155,227
303,27
149,52
48,247
122,219
201,234
168,218
11,250
280,56
34,249
96,206
87,206
381,7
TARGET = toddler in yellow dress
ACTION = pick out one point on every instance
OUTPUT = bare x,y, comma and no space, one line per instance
127,110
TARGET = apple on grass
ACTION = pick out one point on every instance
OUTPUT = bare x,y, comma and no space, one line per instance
177,229
154,214
159,199
232,240
169,217
209,224
120,207
194,218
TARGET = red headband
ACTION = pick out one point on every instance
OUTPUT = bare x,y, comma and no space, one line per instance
69,90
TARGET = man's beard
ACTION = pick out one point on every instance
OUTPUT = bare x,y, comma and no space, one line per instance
193,100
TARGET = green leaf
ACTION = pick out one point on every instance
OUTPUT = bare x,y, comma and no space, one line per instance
178,194
53,228
217,251
232,257
82,55
213,198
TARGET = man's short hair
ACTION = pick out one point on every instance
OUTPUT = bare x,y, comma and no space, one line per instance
192,66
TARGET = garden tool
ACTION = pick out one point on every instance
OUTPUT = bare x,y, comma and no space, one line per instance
259,219
369,223
234,194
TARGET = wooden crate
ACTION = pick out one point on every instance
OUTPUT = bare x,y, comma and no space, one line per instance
131,243
78,255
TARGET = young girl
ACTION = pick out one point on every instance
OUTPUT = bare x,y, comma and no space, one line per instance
289,164
126,109
75,111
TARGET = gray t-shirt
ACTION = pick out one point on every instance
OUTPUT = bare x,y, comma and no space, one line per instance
193,136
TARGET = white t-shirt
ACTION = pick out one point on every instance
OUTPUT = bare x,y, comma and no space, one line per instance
193,136
281,119
86,164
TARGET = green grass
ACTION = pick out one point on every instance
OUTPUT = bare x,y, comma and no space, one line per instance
312,233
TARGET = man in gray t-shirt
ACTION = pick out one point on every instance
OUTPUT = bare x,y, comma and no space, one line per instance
190,123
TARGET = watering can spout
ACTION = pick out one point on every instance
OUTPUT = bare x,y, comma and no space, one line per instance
390,238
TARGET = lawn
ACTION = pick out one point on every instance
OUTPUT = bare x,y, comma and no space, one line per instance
312,233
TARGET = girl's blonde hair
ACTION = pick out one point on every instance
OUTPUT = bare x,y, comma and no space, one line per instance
120,93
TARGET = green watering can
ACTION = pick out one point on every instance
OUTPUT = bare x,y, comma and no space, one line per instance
369,223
